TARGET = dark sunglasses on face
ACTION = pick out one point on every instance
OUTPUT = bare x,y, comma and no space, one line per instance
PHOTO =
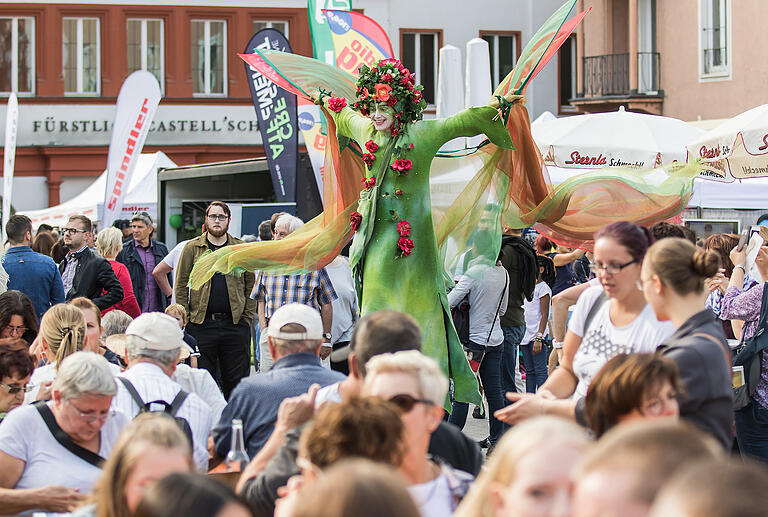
406,402
16,389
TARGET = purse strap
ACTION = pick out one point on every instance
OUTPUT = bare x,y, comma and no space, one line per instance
498,309
63,438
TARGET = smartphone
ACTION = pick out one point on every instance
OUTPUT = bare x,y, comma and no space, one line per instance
743,240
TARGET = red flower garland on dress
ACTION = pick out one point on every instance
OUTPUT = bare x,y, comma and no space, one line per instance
402,166
404,228
369,183
355,218
371,146
406,246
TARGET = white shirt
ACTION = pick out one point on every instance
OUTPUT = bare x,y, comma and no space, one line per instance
200,382
47,373
605,340
329,393
532,311
485,285
24,435
172,259
433,497
153,384
345,308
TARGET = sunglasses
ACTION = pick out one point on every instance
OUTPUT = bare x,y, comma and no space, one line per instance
72,230
16,389
406,402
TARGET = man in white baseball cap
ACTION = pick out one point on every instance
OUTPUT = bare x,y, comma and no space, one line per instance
294,337
154,343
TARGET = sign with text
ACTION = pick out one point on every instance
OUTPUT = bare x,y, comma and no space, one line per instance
276,111
91,125
136,106
357,40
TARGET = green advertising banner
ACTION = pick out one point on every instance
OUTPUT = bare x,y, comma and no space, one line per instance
318,26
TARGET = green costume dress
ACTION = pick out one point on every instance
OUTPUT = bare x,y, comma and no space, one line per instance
413,284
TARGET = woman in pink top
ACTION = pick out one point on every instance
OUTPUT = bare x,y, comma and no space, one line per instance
109,242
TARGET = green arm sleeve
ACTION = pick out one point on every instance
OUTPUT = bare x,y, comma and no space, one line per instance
471,122
351,124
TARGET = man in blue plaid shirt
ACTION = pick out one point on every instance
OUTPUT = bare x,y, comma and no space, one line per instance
273,291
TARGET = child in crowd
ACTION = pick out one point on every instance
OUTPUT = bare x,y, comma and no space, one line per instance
533,348
177,311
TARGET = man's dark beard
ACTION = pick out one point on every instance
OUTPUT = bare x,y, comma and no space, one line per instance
218,233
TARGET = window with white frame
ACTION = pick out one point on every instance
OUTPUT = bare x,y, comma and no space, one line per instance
146,47
81,55
280,25
715,37
209,57
503,50
419,51
17,54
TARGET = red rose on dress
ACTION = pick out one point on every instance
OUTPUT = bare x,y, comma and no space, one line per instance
368,159
402,166
382,92
369,183
399,192
355,218
406,246
371,146
410,146
336,104
394,131
404,228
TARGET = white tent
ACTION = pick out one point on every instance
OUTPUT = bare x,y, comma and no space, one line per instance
141,195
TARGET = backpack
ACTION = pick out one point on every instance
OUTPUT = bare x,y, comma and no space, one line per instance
460,316
170,409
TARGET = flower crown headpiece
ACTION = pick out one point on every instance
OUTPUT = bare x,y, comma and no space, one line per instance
391,83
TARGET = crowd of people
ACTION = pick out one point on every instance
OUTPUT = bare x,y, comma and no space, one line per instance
617,381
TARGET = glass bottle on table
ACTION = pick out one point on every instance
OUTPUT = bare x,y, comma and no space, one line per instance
237,458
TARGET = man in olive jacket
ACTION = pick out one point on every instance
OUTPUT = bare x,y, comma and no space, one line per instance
220,312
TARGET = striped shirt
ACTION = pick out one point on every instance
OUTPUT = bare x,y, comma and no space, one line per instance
313,289
153,384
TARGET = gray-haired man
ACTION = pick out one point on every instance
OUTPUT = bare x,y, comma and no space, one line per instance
153,347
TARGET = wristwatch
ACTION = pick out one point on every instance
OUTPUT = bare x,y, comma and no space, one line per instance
327,336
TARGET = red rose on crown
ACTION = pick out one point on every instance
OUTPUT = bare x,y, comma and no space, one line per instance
382,92
404,228
391,101
371,146
364,93
336,104
406,246
386,77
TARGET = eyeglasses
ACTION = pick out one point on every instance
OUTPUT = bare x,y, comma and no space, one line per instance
14,331
89,417
217,217
72,230
12,389
611,269
406,402
656,405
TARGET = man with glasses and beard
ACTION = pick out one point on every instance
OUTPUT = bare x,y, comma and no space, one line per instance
83,272
221,311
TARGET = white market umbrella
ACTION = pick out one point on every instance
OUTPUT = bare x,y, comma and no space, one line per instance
618,138
736,149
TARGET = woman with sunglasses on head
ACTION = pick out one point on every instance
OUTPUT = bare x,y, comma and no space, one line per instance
16,366
609,319
43,472
673,279
17,316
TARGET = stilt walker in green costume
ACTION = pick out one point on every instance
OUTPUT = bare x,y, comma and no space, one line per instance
376,190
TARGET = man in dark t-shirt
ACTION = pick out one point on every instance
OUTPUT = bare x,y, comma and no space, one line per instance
221,311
